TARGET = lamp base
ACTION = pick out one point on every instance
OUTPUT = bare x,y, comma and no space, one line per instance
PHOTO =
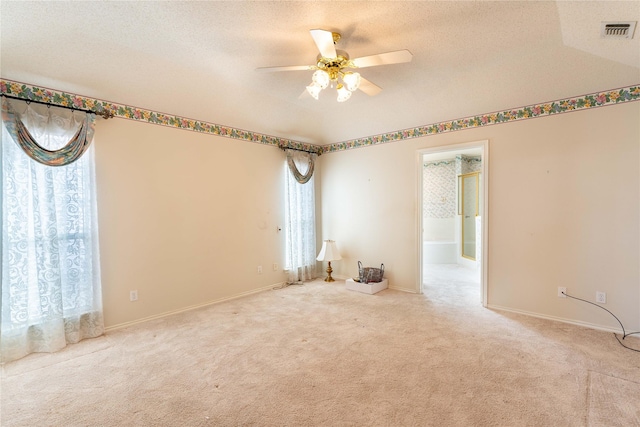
329,271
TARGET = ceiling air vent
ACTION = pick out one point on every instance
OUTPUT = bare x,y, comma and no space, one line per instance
617,30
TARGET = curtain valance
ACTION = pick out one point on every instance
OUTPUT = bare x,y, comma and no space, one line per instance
69,153
296,160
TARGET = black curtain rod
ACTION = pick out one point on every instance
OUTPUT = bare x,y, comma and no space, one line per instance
299,149
105,114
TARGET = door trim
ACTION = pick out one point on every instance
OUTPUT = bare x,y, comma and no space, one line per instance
483,145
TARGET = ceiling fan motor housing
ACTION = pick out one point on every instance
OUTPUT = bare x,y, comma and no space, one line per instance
333,66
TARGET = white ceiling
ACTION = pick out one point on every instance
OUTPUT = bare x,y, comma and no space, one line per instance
198,59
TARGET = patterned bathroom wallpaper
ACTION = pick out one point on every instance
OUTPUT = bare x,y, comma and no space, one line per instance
439,184
439,189
469,164
593,100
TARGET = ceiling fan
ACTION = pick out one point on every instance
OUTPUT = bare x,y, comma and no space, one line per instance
334,66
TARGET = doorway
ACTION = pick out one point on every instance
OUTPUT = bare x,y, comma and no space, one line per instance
453,217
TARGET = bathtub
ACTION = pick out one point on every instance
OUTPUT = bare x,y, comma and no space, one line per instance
439,252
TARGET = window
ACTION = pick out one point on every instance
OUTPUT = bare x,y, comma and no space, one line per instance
50,264
300,220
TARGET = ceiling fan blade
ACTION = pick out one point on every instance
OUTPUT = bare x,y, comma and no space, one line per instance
369,88
286,68
394,57
324,41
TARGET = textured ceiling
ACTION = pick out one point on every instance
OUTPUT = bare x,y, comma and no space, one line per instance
198,59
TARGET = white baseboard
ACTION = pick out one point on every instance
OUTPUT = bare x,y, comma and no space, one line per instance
559,319
191,307
410,291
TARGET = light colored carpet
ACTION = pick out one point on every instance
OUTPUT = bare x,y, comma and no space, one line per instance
319,354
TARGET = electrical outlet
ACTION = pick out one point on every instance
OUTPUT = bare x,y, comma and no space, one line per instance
275,266
259,269
133,295
601,297
562,289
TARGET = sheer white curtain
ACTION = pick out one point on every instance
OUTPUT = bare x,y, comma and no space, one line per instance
51,292
300,216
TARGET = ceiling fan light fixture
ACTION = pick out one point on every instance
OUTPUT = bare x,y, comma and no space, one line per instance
352,80
314,90
331,65
343,93
321,79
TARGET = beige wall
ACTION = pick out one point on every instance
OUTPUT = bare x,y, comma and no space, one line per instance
185,218
564,210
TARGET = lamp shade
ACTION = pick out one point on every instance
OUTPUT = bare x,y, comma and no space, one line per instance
314,90
352,80
343,93
321,78
329,251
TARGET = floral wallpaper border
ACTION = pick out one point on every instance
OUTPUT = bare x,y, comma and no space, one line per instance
35,93
593,100
468,159
437,163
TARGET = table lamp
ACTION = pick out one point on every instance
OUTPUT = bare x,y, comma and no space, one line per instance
329,253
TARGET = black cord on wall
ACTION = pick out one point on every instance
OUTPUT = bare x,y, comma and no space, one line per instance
624,333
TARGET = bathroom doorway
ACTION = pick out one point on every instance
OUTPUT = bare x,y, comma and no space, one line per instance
453,218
